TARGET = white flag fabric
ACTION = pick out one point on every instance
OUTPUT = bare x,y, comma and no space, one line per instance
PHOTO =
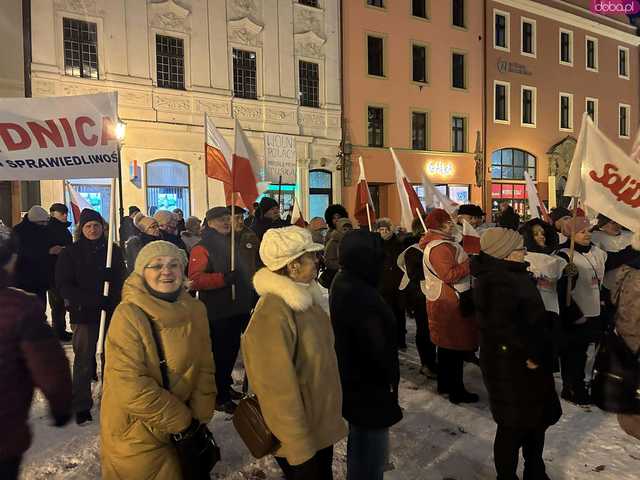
78,202
435,199
409,201
59,137
604,177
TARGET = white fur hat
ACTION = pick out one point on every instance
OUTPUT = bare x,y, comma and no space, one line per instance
281,246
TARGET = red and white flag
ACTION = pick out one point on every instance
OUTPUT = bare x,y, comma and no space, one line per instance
363,198
605,178
536,207
246,169
296,214
409,200
470,238
78,202
218,160
434,198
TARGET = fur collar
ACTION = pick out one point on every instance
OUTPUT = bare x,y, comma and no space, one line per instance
298,297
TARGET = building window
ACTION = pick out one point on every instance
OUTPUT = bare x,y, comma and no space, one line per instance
501,30
458,78
529,108
245,78
376,3
419,8
170,62
375,47
501,108
376,126
309,3
80,48
167,186
624,115
566,47
458,134
419,63
528,28
566,111
591,107
591,51
419,131
320,192
309,84
511,163
515,194
459,193
623,62
458,13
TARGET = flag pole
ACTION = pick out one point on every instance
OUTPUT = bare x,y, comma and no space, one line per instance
421,219
572,248
206,176
233,219
105,290
368,215
280,192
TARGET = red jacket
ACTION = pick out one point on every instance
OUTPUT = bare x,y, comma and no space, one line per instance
447,327
31,356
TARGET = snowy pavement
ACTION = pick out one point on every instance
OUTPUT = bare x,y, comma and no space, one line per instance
435,440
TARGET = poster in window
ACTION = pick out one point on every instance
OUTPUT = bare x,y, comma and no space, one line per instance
280,158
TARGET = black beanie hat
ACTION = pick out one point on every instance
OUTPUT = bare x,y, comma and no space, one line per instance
58,207
471,210
558,213
87,215
267,203
133,209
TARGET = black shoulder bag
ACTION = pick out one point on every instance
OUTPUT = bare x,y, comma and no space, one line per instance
196,448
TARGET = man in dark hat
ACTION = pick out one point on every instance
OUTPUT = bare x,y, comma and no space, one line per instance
227,294
80,275
127,227
472,214
59,238
267,216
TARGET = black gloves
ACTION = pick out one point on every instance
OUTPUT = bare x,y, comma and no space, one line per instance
230,278
107,274
104,303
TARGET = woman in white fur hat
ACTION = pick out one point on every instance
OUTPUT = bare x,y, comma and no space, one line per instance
289,356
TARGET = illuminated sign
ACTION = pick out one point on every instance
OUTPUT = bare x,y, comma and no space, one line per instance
440,168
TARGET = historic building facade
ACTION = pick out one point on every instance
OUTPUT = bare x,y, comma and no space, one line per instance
272,64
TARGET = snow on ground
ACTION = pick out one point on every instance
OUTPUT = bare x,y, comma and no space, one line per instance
435,441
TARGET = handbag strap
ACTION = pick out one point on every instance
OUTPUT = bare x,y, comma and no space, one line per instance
164,370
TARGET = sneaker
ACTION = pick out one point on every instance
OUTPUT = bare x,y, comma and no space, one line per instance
578,397
226,407
463,397
427,372
235,395
82,418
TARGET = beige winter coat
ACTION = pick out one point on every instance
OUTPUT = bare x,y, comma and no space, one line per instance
289,356
137,413
628,326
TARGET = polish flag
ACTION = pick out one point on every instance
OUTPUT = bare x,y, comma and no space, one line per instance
409,201
218,158
246,168
470,239
536,207
296,214
435,199
363,198
78,202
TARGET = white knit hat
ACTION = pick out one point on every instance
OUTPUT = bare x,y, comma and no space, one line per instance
281,246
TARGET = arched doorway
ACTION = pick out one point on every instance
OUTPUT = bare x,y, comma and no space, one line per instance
167,185
508,166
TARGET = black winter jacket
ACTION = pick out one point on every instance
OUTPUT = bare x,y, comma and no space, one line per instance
261,224
365,331
391,275
127,229
80,277
59,235
32,269
514,328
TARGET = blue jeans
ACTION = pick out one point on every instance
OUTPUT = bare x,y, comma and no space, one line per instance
367,453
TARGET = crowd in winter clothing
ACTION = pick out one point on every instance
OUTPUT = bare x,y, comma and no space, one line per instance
187,297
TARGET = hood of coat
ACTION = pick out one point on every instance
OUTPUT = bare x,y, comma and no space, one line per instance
297,296
166,314
362,254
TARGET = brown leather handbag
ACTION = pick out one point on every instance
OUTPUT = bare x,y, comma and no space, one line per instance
252,428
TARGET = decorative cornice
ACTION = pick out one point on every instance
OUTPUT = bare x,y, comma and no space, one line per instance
244,31
309,44
169,15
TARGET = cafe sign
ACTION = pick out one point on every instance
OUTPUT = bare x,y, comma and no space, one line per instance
440,168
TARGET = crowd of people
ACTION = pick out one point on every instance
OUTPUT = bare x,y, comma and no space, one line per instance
187,296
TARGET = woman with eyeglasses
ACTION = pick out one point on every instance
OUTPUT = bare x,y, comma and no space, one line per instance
516,354
140,420
148,231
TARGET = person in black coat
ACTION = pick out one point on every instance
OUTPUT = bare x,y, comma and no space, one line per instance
80,275
516,354
59,238
365,342
267,216
127,226
32,270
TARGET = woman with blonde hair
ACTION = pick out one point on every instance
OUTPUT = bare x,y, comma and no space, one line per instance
148,414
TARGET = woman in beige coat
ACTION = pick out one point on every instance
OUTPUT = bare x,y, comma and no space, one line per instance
138,416
289,356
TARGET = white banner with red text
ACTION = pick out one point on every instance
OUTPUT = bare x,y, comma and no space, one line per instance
59,137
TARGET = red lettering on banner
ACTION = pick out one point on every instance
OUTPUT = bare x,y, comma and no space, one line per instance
66,126
40,132
626,190
91,141
7,138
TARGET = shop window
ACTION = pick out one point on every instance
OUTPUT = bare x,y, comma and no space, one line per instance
320,192
80,48
515,194
456,192
167,186
511,163
97,193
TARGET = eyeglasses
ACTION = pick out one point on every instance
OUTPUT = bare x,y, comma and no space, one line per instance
158,267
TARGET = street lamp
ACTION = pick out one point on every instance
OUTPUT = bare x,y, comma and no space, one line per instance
121,130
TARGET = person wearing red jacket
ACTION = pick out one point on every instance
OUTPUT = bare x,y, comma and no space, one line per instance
31,357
